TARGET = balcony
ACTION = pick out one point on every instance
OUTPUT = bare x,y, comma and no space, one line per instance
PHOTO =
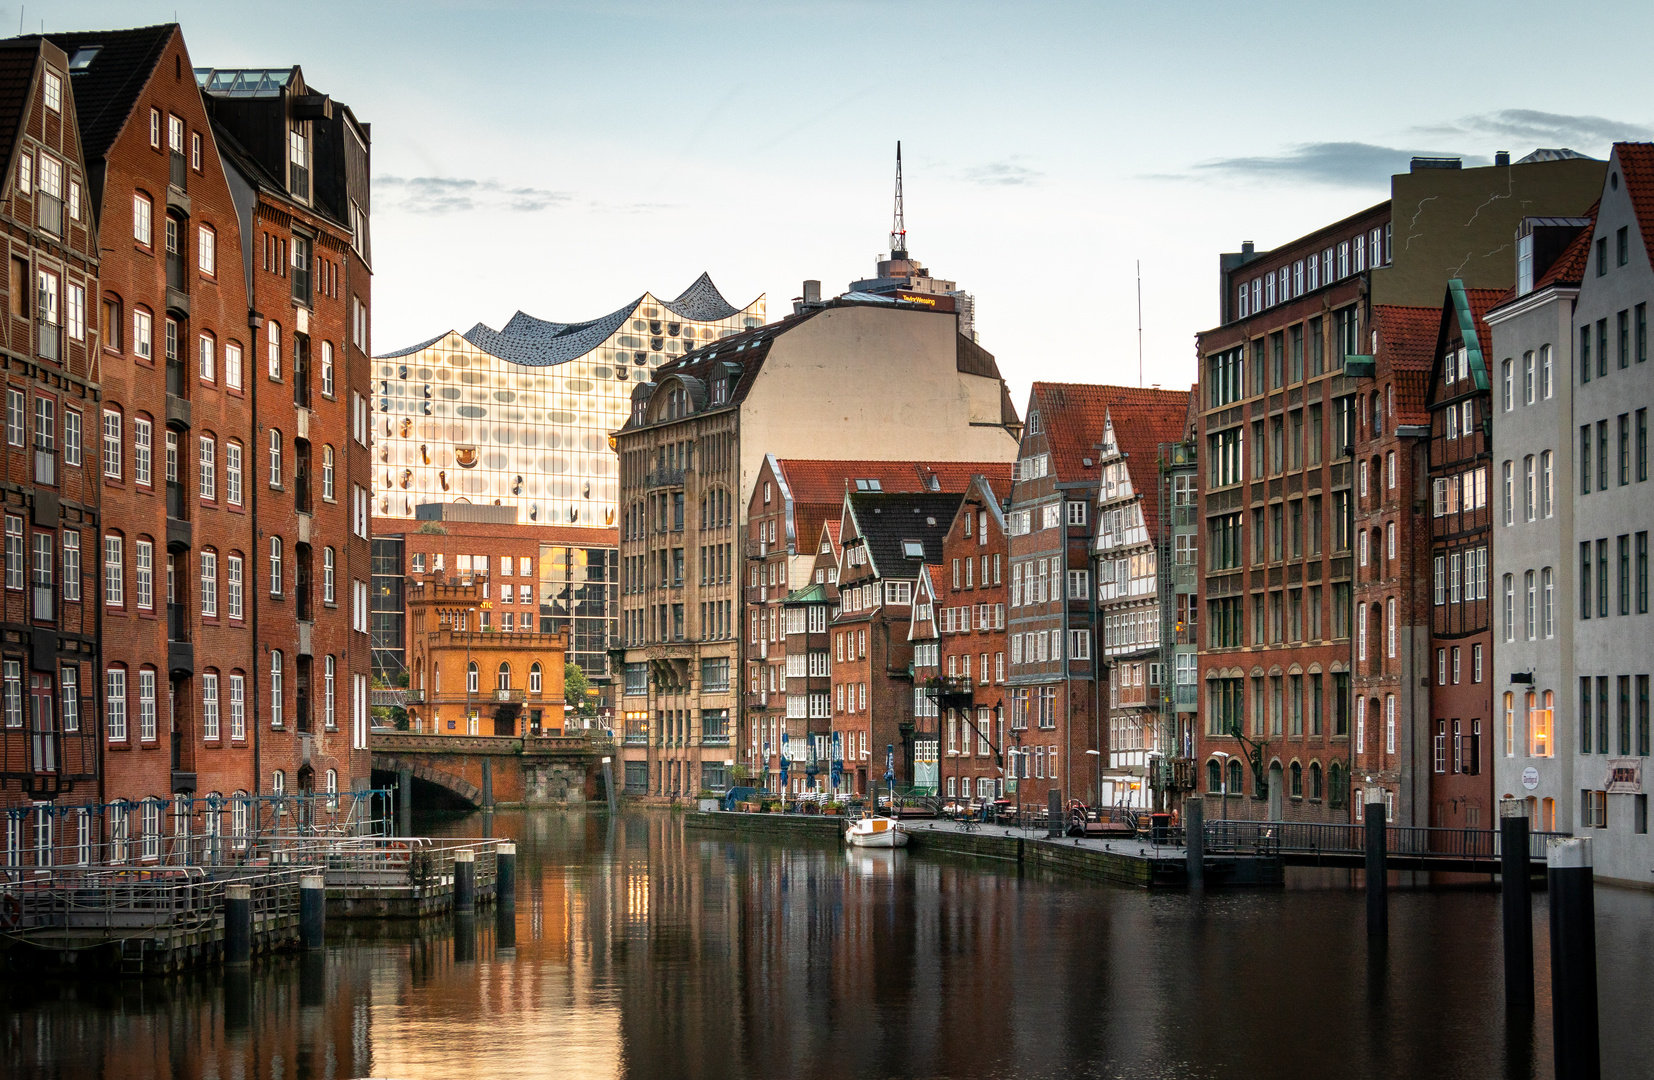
658,478
49,212
50,341
178,407
950,692
510,696
180,653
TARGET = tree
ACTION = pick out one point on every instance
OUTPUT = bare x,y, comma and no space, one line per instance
577,690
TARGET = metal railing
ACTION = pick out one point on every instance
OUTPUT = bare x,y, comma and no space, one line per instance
1313,838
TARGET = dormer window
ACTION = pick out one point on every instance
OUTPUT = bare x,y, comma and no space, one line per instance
720,391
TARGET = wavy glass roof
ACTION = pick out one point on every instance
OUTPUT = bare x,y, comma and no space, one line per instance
535,342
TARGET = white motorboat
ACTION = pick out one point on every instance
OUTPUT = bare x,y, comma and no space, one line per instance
875,832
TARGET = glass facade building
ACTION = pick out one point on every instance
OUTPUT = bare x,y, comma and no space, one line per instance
522,416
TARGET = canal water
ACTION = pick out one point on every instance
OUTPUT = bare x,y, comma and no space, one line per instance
646,951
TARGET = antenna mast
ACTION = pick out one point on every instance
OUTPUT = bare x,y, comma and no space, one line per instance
1139,324
898,229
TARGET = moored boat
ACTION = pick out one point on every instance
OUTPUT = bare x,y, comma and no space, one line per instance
875,831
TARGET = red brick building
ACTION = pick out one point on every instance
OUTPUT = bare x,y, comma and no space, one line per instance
300,166
1461,511
978,753
179,688
791,499
1391,673
546,579
48,673
887,539
1056,700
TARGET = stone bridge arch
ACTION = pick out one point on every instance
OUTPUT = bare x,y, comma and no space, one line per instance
422,769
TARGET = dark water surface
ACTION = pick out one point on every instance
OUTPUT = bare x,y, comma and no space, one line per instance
644,951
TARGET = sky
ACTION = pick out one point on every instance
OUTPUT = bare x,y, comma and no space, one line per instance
562,158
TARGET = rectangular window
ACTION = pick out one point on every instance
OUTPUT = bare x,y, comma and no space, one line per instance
143,451
232,366
71,565
112,444
232,473
114,576
14,552
146,705
209,584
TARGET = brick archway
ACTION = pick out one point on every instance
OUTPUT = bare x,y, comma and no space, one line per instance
455,785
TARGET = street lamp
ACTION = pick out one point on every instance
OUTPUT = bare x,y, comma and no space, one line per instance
1097,784
1225,773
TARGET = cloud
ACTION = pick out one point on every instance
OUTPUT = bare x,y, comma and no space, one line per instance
1003,173
1543,129
450,195
1340,163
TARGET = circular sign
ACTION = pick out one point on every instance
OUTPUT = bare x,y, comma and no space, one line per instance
1530,777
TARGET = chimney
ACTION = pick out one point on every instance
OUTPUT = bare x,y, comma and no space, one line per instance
1247,249
1502,158
812,292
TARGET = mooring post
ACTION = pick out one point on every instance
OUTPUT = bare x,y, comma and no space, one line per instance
1378,881
609,787
312,911
1053,809
1569,874
465,880
1194,840
238,923
404,801
505,874
1516,902
505,895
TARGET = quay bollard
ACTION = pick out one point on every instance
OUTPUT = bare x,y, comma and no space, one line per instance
404,802
1575,1035
312,911
1194,840
1053,809
465,880
1378,881
1516,903
505,874
238,923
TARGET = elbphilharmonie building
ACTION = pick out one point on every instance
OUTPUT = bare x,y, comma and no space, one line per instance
521,416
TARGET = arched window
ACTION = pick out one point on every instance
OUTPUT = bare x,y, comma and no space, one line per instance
1214,776
534,678
329,576
327,471
278,783
1315,780
333,790
275,458
143,219
1297,775
436,678
502,678
275,566
471,677
1335,778
151,828
327,368
1234,776
207,361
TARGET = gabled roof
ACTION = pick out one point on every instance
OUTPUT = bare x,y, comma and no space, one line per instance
1072,415
884,522
107,88
817,487
1140,427
1637,167
1407,351
1463,314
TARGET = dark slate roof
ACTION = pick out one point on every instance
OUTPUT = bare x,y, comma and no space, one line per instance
746,351
106,89
17,64
885,521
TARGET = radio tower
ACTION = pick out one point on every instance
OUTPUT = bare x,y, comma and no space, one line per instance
898,229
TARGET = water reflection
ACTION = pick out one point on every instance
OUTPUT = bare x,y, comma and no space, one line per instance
638,950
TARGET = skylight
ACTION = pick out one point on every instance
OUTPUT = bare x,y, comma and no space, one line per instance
913,549
869,485
83,57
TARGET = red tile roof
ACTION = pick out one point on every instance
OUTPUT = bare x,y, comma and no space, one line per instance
1637,166
1406,350
1413,396
1483,301
1072,416
818,486
1140,428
